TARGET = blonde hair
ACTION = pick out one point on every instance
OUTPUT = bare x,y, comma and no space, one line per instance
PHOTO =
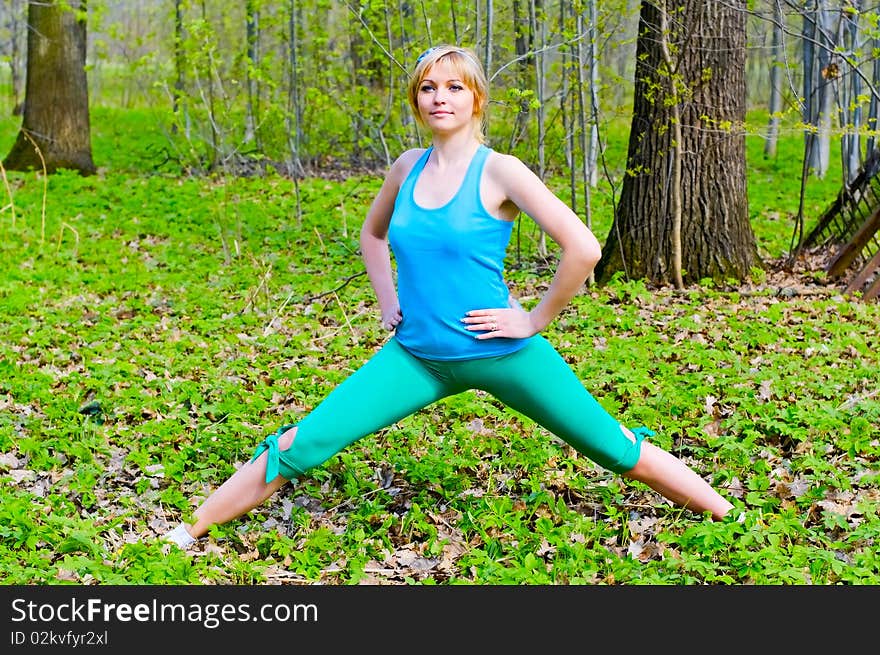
469,70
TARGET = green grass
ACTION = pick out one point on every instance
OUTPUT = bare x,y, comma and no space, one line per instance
155,327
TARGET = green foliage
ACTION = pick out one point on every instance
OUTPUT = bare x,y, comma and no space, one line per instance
148,346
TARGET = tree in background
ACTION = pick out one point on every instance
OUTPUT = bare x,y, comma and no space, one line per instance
55,129
821,68
11,50
683,211
777,65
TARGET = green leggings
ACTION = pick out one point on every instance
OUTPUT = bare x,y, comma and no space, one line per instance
393,384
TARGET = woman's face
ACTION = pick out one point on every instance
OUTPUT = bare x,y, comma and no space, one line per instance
446,103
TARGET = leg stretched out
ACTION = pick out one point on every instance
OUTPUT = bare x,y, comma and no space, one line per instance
393,384
669,476
388,387
537,382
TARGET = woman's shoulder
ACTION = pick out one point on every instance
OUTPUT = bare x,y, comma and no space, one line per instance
412,153
401,166
503,161
409,157
503,167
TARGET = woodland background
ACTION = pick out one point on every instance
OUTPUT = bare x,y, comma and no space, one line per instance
202,286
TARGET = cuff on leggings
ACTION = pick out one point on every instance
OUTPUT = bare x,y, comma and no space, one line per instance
275,465
633,451
641,433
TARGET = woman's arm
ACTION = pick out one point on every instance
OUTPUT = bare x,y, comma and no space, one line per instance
581,250
374,240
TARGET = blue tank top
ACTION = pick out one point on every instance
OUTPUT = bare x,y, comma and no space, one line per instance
450,260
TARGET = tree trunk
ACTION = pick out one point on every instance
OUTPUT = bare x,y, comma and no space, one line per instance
523,39
536,19
490,23
294,106
580,124
593,57
827,67
252,28
179,66
16,25
850,106
810,105
874,103
55,129
669,70
708,41
567,104
777,63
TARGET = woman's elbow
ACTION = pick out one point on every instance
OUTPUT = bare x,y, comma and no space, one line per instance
368,236
594,254
587,254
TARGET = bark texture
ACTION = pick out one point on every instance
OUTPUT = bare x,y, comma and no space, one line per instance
706,87
55,124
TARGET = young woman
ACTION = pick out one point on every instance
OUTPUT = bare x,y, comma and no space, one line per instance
447,212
